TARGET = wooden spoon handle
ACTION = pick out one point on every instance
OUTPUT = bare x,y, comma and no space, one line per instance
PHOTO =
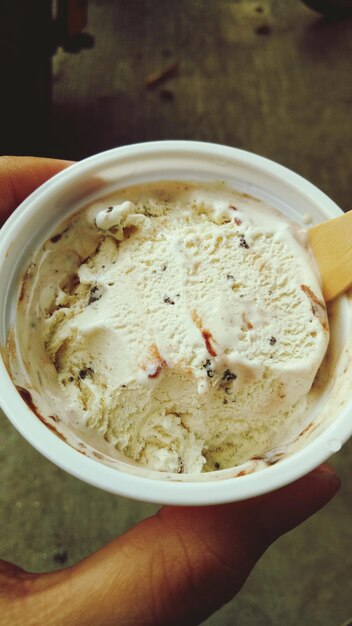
331,243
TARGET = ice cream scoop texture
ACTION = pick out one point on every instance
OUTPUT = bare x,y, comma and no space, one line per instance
182,323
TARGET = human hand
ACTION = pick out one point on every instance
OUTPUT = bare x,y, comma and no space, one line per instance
174,568
19,176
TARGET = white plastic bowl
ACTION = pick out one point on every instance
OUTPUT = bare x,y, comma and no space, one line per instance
36,218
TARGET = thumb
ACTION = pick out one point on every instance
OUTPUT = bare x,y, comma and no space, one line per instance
19,176
182,564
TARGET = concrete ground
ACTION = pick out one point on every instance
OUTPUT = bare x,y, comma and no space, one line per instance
267,76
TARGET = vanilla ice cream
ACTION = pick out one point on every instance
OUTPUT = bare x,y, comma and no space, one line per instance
181,324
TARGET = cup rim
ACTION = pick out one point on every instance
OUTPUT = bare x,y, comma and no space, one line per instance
135,486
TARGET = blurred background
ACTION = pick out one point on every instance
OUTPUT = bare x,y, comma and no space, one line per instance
270,76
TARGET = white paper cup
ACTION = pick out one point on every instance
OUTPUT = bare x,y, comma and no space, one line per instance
36,219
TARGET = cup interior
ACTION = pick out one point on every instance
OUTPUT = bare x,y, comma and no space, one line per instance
38,217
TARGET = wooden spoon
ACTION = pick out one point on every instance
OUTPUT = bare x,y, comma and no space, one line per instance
331,243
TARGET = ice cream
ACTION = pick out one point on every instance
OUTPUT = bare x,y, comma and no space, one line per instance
182,324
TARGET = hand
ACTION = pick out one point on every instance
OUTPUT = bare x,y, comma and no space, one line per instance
19,176
174,568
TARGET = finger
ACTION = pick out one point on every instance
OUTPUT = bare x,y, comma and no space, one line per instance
184,563
19,176
295,504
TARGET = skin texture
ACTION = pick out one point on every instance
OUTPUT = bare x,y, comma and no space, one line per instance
176,567
19,176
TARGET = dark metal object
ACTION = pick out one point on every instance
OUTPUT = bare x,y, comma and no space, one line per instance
331,8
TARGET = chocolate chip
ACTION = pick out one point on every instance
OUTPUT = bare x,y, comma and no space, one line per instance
84,372
243,243
272,341
228,376
208,368
94,295
168,300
